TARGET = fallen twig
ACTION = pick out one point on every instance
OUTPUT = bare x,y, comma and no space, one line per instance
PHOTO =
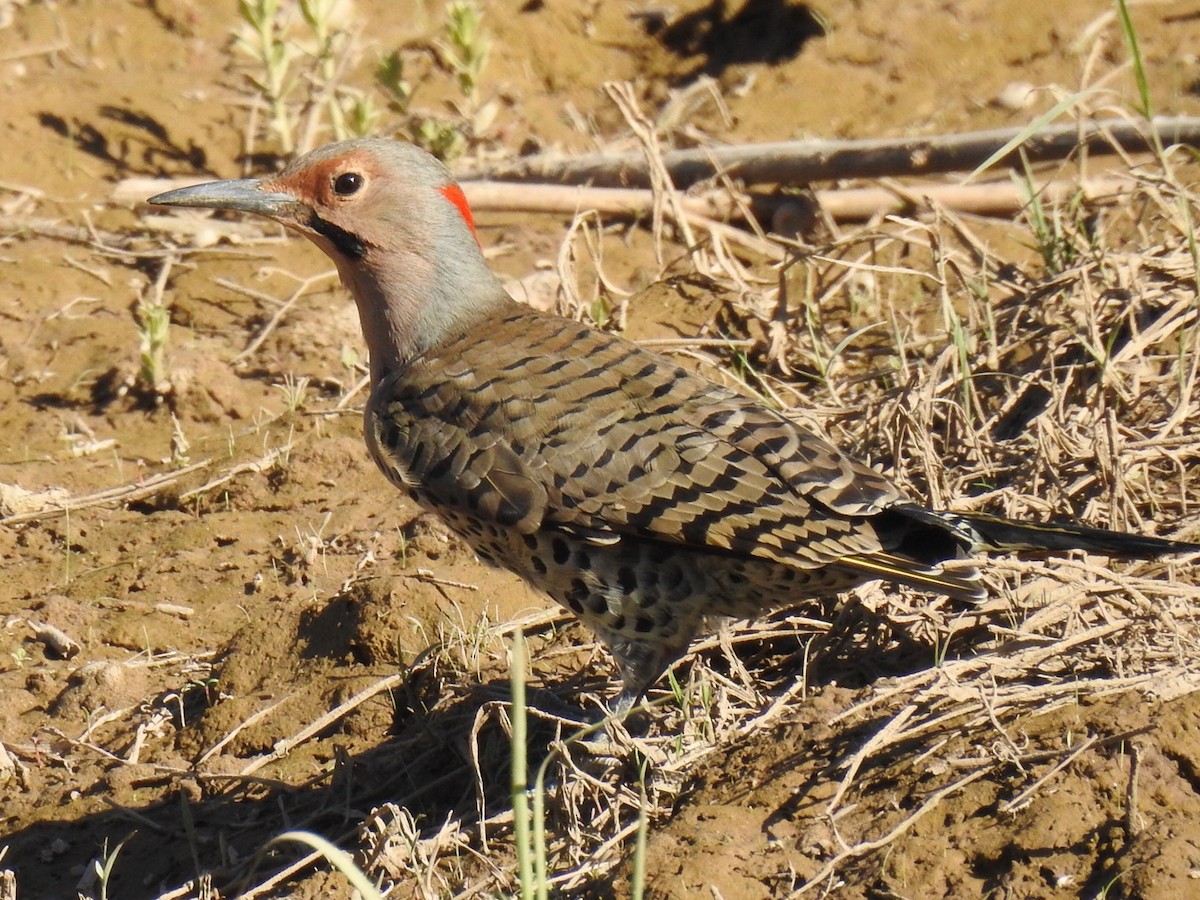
125,493
799,162
261,464
868,846
854,204
284,746
55,638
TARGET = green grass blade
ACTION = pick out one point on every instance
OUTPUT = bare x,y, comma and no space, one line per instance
338,858
1135,54
1031,130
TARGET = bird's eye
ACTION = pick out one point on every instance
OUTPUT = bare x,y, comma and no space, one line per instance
347,183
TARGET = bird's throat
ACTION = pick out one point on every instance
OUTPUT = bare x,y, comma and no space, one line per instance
408,311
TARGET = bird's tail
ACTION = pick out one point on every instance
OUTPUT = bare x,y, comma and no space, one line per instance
983,532
918,542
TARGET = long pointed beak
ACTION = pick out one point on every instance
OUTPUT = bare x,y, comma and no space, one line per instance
243,195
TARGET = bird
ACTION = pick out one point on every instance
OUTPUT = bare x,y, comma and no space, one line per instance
639,495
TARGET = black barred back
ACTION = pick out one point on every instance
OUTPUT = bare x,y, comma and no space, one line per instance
635,493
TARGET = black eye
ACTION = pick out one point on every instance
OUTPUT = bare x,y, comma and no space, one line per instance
347,183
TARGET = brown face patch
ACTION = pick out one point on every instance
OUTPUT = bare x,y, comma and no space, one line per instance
329,184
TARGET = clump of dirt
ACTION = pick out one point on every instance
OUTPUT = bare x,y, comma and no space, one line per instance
262,635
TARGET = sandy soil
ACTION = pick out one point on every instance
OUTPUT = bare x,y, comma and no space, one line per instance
253,571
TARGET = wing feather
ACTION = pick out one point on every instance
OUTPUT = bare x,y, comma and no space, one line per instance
584,431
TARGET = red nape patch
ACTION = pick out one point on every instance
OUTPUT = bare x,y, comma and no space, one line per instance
454,194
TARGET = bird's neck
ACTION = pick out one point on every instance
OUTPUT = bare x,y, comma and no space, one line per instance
410,307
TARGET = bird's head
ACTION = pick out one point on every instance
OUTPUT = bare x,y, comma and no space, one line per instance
394,222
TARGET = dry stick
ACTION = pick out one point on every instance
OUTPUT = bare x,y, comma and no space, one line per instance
55,230
1028,660
39,50
1026,697
855,204
666,196
798,162
140,818
258,465
259,296
350,394
1132,817
868,846
54,638
895,724
279,313
200,231
1022,798
282,875
126,493
569,881
245,723
660,184
24,190
185,891
284,746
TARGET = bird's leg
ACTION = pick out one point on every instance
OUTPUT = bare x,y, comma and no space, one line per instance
640,663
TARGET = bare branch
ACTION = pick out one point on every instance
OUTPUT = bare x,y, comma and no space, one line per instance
799,162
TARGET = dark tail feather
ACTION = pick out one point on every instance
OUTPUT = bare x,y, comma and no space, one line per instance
996,534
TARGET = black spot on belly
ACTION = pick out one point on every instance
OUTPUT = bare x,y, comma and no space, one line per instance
562,553
576,596
672,577
627,580
538,565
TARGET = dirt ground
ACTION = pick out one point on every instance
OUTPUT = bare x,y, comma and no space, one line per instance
232,573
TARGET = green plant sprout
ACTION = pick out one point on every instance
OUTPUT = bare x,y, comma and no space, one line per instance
153,323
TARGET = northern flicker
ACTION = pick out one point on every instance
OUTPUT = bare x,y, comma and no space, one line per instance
637,494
